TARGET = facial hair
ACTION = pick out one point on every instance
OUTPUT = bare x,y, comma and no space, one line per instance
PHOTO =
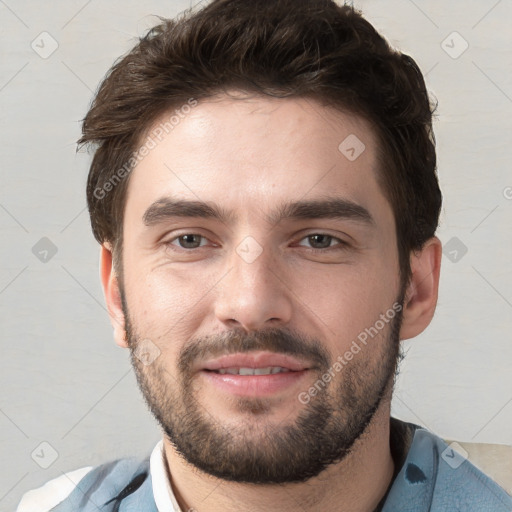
323,433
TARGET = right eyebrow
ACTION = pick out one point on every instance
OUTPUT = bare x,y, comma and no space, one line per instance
166,208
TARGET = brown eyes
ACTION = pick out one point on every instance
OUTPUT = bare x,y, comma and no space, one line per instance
317,241
322,241
189,241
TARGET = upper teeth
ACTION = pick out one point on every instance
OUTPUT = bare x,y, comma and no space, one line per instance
253,371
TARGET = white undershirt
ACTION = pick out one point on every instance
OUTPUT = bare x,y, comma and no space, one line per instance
162,491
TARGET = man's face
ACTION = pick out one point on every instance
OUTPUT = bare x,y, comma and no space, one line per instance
271,286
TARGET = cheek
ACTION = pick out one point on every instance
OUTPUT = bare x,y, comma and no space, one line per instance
348,300
167,306
163,291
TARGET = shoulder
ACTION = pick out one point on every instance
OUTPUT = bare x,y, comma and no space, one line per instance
457,482
67,491
494,460
44,498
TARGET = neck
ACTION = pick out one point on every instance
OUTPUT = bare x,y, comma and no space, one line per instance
368,466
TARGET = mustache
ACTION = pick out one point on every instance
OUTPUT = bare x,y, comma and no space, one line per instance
238,341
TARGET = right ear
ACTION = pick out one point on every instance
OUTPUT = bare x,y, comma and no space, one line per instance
110,284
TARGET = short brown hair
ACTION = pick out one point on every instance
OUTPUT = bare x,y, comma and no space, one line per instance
281,48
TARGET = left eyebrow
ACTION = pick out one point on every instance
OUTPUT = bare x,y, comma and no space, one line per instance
330,208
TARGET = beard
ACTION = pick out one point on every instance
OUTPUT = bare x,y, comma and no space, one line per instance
261,452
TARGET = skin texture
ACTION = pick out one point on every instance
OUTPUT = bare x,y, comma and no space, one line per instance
249,156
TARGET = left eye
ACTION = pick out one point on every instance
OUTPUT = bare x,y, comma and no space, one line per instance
322,240
188,241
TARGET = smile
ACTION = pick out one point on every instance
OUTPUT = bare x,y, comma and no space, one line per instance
252,371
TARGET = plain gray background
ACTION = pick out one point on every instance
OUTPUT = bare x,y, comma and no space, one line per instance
65,382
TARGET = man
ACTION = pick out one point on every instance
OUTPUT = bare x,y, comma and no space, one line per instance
265,197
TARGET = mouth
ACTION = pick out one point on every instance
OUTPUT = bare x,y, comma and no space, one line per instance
254,374
263,361
269,370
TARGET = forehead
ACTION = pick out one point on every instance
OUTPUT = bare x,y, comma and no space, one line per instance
251,154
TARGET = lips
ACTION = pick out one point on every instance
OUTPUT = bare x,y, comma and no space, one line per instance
269,370
255,374
255,363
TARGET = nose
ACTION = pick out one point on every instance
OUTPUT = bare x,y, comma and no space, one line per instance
254,295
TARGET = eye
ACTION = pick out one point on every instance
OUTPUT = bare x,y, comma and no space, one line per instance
317,241
320,241
188,241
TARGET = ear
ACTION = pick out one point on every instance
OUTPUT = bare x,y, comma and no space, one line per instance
422,291
110,284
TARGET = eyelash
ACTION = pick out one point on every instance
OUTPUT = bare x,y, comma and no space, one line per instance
340,245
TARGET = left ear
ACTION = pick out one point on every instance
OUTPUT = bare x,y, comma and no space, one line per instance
421,295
